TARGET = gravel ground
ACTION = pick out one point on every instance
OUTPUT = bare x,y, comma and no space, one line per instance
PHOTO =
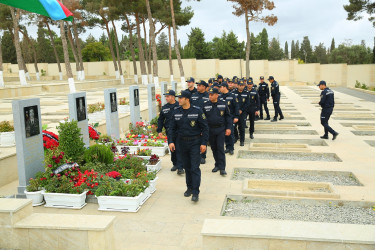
297,210
364,133
336,178
290,156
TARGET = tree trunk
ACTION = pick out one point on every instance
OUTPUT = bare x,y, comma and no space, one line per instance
21,63
66,58
177,49
153,45
148,55
247,46
74,50
79,52
26,36
111,49
140,51
54,49
132,52
170,53
1,66
118,53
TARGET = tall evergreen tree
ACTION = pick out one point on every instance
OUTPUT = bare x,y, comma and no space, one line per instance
275,50
296,51
264,43
306,50
162,46
44,48
293,50
198,44
320,54
8,48
333,44
286,50
373,53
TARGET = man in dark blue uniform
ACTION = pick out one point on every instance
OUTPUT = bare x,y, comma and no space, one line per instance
252,107
164,121
264,96
275,93
243,99
219,123
198,99
220,79
327,102
232,103
191,85
191,126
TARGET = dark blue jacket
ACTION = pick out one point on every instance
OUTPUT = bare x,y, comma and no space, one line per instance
263,90
198,99
275,88
253,103
217,114
243,98
165,116
327,98
232,103
188,123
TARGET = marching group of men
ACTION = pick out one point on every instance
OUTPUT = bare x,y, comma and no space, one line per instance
214,113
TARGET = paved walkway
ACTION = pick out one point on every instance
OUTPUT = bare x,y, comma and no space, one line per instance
355,93
168,220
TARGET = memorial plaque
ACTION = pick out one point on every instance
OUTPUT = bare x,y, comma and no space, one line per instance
151,101
164,89
111,114
135,110
77,111
29,140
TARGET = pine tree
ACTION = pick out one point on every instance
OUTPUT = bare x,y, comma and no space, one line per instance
197,44
264,53
306,50
162,46
296,51
286,50
332,44
8,48
293,50
275,51
44,48
373,53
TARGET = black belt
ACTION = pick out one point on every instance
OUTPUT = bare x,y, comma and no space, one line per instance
216,126
191,138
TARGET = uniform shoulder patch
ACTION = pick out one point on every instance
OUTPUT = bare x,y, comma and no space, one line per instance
204,116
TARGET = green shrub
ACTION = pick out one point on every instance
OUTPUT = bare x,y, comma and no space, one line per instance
357,84
111,187
364,86
70,141
154,121
5,126
99,153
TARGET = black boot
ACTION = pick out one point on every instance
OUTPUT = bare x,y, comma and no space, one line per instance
268,118
242,144
174,168
274,119
195,198
251,136
324,137
188,192
203,161
180,171
334,136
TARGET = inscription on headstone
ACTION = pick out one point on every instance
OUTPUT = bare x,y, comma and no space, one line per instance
164,89
151,101
111,114
135,110
29,140
77,111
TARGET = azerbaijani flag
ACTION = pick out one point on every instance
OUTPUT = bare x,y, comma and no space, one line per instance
49,8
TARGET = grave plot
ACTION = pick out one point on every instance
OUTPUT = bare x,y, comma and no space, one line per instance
364,130
353,116
337,178
290,188
310,142
299,124
289,156
329,211
274,126
346,108
279,147
286,131
371,143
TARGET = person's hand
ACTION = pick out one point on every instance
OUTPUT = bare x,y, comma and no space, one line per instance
268,99
256,113
160,135
172,147
203,148
227,132
235,120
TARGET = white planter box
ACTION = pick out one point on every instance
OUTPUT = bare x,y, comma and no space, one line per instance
120,147
132,149
58,200
159,151
37,197
144,157
152,186
123,108
153,168
119,203
145,195
7,139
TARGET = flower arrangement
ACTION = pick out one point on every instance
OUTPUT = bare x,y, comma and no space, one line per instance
105,139
113,174
154,143
144,152
5,126
50,140
110,187
95,107
153,160
123,101
158,99
93,133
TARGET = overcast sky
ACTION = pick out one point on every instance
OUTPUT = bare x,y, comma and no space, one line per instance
320,20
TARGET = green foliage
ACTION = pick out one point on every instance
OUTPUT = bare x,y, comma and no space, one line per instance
356,7
64,185
70,140
320,54
130,162
264,52
357,84
154,121
351,54
99,153
34,185
275,51
8,49
163,47
364,86
44,49
198,44
97,166
127,173
96,51
306,52
227,46
111,187
5,126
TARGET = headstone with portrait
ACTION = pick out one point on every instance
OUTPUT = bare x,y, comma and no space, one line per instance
78,112
174,86
29,140
164,89
111,113
135,110
151,101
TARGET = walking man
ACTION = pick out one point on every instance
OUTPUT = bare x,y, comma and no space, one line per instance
252,107
327,102
191,126
264,96
275,93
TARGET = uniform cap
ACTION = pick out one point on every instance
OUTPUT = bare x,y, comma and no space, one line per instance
224,84
202,83
185,94
261,78
271,78
219,77
322,83
213,91
170,92
190,79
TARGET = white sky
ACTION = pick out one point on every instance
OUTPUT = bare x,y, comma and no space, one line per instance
321,20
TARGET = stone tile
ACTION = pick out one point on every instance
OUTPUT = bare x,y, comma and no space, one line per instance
73,239
96,240
359,247
210,242
5,219
22,214
43,239
286,245
249,243
189,228
324,246
21,238
192,241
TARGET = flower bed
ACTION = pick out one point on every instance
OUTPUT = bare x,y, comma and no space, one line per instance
7,135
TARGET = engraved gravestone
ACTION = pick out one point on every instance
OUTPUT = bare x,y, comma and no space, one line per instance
164,89
151,101
174,86
111,114
78,112
29,140
135,110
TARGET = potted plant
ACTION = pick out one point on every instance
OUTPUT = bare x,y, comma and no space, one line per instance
132,146
152,178
154,164
157,147
119,196
144,153
127,175
123,106
105,139
7,136
34,191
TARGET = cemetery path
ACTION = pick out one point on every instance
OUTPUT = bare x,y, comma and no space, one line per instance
355,93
